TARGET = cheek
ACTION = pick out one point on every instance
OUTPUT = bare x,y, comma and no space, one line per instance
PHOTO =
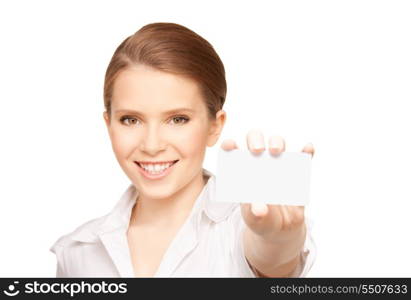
192,142
122,144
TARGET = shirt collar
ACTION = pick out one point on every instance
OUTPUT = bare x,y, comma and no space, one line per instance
121,213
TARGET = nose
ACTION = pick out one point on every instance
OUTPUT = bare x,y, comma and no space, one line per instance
151,141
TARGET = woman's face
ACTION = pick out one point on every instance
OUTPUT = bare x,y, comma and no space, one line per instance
160,117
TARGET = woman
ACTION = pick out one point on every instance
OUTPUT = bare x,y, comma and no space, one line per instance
163,93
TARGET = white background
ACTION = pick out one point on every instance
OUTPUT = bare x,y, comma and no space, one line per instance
334,73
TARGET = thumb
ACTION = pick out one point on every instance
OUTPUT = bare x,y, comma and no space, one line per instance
259,209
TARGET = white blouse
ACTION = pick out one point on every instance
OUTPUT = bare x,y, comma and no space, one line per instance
209,243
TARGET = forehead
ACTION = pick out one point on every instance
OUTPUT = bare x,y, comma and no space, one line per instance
144,88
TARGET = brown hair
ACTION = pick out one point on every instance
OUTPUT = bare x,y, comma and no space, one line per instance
175,49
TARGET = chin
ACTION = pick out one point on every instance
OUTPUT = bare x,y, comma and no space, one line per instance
157,194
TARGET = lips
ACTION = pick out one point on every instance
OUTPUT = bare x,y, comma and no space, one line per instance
156,176
160,162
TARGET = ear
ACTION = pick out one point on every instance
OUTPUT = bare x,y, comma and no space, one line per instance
107,120
216,128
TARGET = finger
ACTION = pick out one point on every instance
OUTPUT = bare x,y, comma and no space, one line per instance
286,216
309,148
259,209
298,214
256,220
228,145
255,141
276,145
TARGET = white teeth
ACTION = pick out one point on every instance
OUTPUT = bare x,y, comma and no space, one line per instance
155,168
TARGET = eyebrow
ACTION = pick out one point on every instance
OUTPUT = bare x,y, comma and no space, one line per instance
172,111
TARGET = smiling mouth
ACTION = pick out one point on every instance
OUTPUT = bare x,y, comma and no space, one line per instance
173,163
156,173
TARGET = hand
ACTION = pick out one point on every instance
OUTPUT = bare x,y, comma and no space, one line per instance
273,223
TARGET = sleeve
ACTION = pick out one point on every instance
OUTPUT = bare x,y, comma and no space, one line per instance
237,226
58,250
307,255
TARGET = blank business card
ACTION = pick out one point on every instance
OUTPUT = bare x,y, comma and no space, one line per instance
245,177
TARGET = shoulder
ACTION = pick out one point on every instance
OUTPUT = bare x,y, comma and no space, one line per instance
89,231
86,232
76,247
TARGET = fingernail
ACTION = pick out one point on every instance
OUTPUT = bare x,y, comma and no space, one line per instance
259,209
228,145
256,139
276,142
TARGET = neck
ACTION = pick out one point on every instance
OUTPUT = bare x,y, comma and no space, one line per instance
169,211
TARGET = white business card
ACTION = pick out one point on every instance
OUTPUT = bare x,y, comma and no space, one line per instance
246,177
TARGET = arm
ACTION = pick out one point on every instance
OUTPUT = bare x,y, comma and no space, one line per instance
274,258
58,251
275,234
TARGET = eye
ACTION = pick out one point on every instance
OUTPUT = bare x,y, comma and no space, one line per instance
180,119
127,118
